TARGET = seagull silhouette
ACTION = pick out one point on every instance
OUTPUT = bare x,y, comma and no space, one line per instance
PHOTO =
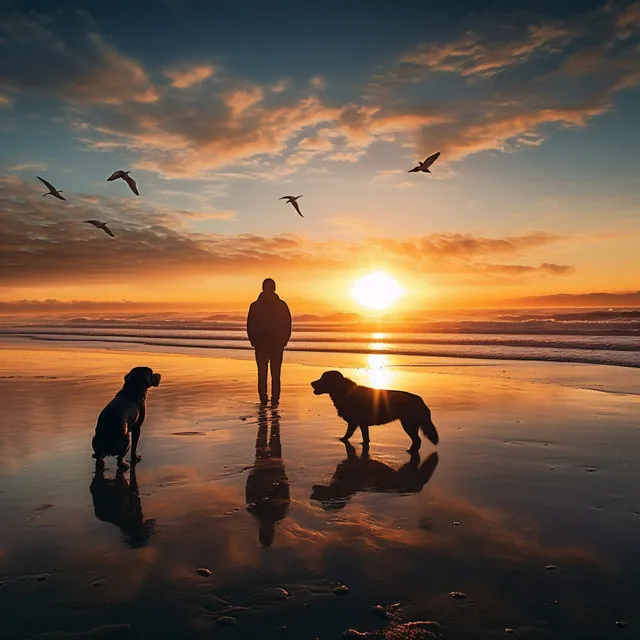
293,200
424,166
101,225
126,177
52,190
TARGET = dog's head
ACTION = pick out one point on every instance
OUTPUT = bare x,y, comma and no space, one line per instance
331,382
142,377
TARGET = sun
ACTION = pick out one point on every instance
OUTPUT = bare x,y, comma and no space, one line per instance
377,290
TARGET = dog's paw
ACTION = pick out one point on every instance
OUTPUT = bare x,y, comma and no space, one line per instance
344,439
136,458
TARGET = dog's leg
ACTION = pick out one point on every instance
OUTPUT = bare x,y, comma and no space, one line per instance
135,436
412,430
365,435
351,428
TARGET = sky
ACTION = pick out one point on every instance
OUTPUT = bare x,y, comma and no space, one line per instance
218,110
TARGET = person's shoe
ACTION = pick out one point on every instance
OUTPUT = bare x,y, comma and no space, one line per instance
275,401
264,399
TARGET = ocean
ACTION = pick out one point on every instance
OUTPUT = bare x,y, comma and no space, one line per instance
592,336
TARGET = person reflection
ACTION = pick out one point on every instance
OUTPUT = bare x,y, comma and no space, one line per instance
267,491
118,502
367,474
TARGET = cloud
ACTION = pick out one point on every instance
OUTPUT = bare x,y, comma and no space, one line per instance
346,156
500,111
5,102
318,82
242,99
44,244
28,166
627,20
82,67
315,143
505,127
577,300
476,54
187,76
280,86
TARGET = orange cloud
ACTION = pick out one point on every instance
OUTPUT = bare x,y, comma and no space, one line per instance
5,102
475,54
44,246
242,99
185,77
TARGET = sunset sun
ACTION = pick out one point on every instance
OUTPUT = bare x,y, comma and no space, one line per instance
376,291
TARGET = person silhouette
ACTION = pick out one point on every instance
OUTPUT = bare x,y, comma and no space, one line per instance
118,502
269,330
267,491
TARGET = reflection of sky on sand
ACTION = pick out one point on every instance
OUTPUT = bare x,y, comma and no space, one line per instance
204,436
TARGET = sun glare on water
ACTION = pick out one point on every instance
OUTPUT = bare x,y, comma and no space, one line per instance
376,291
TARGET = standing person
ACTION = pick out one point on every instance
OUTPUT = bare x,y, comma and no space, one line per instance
269,330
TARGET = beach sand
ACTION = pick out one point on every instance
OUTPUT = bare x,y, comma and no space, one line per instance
531,507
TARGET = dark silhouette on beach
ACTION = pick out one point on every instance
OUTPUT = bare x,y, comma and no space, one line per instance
269,330
362,473
267,491
117,501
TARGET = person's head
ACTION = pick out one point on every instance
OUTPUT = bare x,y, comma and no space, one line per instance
269,286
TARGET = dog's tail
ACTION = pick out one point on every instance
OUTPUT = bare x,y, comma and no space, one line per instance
427,427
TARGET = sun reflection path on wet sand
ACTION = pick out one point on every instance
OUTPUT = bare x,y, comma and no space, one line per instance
376,371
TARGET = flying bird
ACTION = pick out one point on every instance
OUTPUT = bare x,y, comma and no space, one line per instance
293,200
101,225
424,166
126,177
52,190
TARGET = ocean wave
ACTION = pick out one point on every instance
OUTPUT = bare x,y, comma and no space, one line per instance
541,350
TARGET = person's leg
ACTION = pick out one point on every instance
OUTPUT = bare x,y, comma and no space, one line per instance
276,366
262,361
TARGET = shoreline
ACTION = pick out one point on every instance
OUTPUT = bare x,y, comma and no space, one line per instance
596,359
601,378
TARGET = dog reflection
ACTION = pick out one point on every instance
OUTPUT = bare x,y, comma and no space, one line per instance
267,491
117,501
362,473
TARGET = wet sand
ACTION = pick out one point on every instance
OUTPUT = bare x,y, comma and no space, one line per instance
530,507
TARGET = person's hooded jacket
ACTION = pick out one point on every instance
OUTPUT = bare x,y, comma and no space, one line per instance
269,322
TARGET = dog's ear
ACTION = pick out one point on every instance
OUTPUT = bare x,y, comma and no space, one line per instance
127,376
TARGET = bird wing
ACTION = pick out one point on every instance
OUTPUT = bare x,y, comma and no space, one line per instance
46,184
95,223
431,159
108,231
115,175
131,182
296,207
57,195
414,170
285,198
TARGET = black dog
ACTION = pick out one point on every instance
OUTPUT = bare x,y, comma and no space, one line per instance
363,407
122,418
363,473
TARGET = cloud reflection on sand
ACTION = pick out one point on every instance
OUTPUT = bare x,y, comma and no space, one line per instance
392,540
